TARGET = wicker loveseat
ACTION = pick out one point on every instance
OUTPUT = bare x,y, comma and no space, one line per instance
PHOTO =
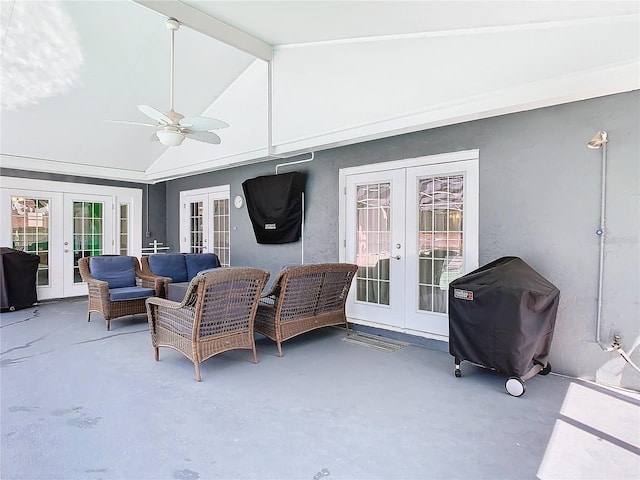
117,287
304,298
177,270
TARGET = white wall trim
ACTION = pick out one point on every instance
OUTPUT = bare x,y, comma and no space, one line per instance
68,168
557,24
221,189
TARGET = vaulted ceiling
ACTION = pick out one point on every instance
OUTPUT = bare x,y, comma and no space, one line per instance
287,76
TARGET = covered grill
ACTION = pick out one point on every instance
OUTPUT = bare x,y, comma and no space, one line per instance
502,316
18,277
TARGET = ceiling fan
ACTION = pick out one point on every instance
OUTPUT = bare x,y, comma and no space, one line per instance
172,126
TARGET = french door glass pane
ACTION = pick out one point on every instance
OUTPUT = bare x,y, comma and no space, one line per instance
373,214
88,233
195,227
30,231
124,229
221,231
440,242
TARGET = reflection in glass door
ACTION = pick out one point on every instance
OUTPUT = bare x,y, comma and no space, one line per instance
88,232
221,227
196,225
30,231
125,234
374,242
440,252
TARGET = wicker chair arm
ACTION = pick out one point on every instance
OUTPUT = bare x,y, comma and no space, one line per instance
97,288
168,314
163,302
151,281
94,282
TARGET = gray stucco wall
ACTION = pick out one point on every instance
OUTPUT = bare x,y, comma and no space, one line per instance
154,225
539,200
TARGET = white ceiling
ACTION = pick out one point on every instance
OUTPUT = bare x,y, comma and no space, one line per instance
124,47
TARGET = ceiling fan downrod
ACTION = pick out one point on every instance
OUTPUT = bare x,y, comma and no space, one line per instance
173,25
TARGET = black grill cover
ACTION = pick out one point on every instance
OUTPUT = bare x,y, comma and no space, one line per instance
274,203
18,271
502,316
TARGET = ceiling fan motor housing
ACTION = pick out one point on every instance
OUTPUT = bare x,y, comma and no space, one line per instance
173,24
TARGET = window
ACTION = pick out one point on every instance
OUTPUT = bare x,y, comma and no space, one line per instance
124,229
30,231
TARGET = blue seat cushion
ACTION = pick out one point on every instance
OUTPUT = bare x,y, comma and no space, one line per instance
118,271
197,262
170,265
130,293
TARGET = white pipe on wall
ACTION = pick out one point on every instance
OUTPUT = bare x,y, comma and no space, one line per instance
600,140
302,224
601,232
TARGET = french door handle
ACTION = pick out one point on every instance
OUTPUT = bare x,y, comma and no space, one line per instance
397,257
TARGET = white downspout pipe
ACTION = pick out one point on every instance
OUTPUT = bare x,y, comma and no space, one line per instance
601,230
600,141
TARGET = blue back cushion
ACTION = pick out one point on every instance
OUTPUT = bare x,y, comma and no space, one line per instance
200,261
117,271
170,265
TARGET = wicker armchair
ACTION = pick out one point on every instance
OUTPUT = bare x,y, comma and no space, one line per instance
216,315
120,288
305,298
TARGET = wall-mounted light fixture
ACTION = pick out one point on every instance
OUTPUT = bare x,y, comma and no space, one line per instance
598,140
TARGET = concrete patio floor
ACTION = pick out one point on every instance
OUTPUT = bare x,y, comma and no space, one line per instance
78,402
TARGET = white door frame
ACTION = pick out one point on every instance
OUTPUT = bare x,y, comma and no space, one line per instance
470,160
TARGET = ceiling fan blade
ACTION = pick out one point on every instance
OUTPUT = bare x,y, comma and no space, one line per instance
155,114
207,137
133,123
202,124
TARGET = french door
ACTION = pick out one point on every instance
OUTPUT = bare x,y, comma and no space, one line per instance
205,222
411,227
63,226
88,231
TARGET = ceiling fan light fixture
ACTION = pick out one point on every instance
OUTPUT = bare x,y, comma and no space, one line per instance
170,138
